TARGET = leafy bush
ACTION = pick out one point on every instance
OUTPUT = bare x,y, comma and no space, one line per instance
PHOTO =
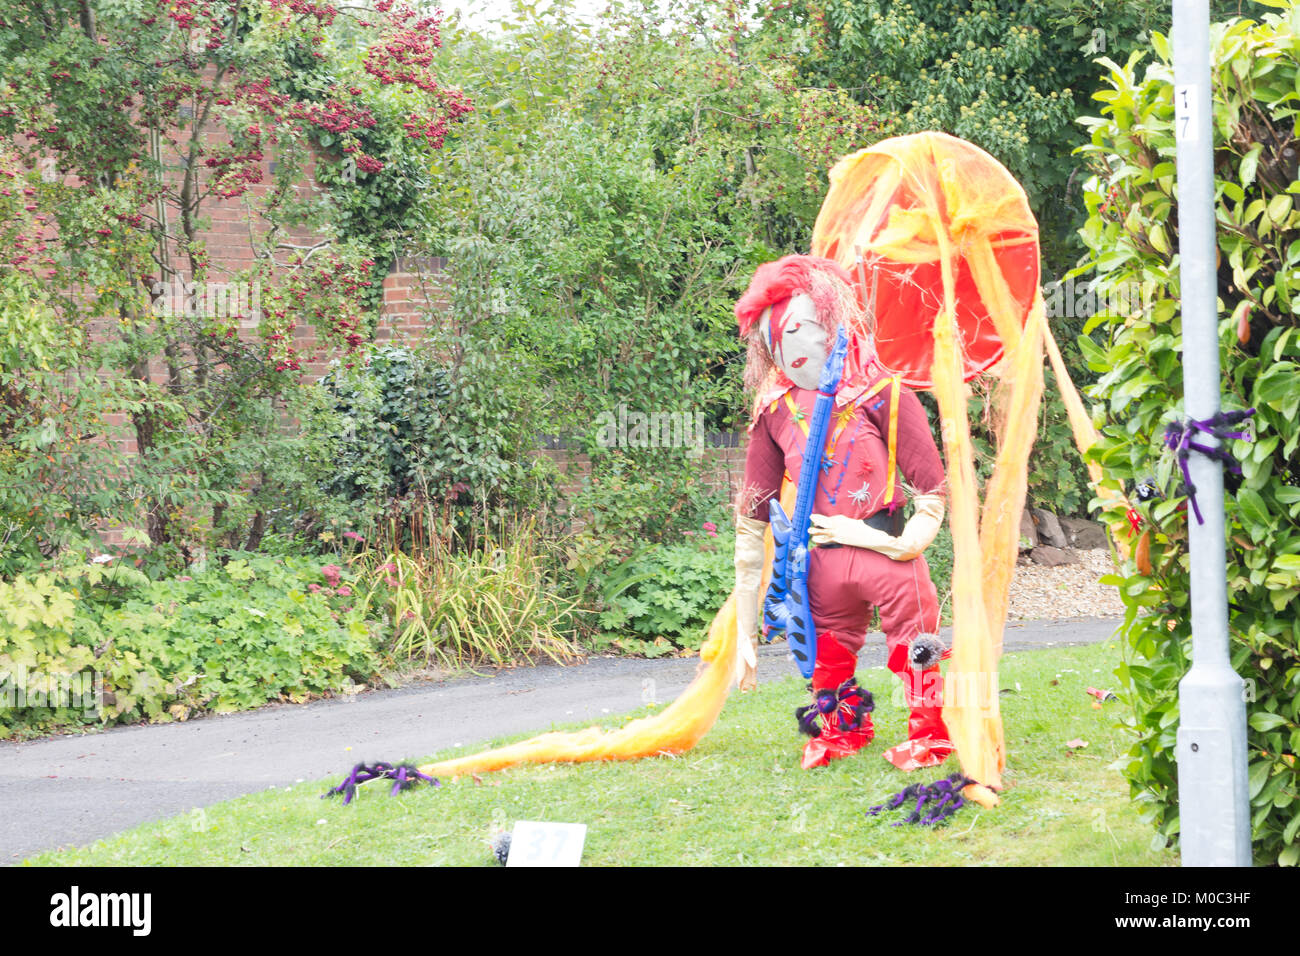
939,559
666,596
1131,234
645,497
632,505
230,637
1008,75
54,475
603,213
132,107
1058,478
408,425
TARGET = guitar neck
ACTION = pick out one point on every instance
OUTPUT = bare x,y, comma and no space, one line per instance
813,452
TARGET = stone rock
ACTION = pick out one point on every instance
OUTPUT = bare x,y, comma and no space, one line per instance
1051,557
1028,535
1049,529
1084,534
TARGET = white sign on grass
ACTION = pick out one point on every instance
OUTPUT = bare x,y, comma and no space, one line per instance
546,844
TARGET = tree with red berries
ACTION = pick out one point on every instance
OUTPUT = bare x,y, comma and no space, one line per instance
133,134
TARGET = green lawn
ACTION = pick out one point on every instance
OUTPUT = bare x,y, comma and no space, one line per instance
739,797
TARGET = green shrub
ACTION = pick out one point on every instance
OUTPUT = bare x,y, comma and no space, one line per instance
409,428
1132,236
231,637
663,599
56,476
645,497
939,558
1007,75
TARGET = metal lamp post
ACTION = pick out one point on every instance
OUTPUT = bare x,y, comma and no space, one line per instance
1214,805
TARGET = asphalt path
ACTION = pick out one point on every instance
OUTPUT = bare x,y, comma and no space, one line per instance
72,790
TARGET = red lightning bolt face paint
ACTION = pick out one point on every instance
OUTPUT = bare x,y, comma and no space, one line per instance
798,342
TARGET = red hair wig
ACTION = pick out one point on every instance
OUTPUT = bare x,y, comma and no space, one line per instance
836,301
775,282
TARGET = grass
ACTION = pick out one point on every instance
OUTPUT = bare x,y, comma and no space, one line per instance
738,798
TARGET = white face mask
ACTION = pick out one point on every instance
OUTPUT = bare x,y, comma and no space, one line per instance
798,343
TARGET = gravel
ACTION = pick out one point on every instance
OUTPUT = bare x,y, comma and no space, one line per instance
1039,593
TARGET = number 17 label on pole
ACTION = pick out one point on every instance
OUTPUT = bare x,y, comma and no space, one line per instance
1186,114
546,844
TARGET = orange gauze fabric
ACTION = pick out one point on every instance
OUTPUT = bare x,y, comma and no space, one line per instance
887,209
1085,436
944,249
1016,402
674,730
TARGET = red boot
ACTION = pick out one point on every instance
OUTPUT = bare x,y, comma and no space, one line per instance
928,743
838,723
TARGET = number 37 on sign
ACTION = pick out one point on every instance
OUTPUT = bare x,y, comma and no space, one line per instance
546,844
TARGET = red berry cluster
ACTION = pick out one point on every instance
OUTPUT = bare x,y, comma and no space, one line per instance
368,164
327,291
210,17
434,128
182,13
23,236
333,115
239,169
323,13
405,53
1112,200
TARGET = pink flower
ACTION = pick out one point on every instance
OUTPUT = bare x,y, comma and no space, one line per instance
331,574
344,591
353,535
712,534
689,534
184,577
710,527
313,587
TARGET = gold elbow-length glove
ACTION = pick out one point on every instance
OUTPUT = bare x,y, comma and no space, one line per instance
915,537
750,556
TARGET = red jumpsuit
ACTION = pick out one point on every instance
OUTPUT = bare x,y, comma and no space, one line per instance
846,583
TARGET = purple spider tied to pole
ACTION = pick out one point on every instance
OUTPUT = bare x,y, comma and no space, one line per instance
404,776
1179,437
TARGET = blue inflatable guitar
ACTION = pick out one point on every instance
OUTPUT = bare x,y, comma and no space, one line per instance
786,607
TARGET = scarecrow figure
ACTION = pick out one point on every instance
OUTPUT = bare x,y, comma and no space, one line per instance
946,252
866,556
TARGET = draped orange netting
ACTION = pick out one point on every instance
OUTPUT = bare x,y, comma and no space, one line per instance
674,730
944,249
